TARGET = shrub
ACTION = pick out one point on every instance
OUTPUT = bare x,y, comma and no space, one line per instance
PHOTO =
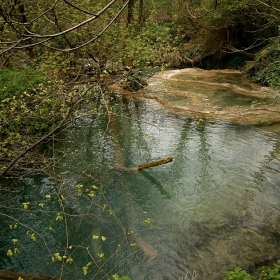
266,273
265,69
238,274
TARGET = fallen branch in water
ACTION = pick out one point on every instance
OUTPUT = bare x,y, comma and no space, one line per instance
155,163
148,165
15,276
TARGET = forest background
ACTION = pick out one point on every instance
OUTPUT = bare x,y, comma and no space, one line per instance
48,49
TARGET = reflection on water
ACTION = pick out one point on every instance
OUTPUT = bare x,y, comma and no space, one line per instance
215,206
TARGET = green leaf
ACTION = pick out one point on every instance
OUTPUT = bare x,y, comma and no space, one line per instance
69,260
125,278
59,217
33,237
16,250
91,194
15,241
25,205
85,270
10,253
148,222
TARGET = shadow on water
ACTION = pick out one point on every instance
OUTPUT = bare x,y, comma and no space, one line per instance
214,207
156,183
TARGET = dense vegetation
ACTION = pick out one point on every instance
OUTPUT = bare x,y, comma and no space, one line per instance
263,273
49,47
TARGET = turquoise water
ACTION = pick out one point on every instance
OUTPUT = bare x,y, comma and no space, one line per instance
214,207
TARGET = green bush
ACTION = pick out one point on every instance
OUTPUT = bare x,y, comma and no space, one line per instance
132,47
265,69
238,274
30,105
272,273
266,273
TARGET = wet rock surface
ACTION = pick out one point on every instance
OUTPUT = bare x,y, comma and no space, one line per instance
215,95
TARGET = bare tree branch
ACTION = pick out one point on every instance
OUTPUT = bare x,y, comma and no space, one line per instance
42,39
76,26
267,5
77,8
96,36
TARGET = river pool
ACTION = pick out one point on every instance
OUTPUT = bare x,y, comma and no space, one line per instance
215,206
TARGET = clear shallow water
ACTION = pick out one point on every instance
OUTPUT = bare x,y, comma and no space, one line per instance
218,87
214,207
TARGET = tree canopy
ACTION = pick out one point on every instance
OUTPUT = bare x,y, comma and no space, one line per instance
197,29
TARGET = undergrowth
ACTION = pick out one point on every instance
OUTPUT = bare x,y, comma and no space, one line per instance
31,104
265,69
265,273
14,82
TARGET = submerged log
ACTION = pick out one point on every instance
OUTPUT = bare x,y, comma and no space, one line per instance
15,276
148,250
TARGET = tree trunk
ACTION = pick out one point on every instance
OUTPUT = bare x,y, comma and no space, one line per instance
250,55
140,12
130,8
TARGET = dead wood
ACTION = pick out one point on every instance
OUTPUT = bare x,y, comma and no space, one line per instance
155,163
147,165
